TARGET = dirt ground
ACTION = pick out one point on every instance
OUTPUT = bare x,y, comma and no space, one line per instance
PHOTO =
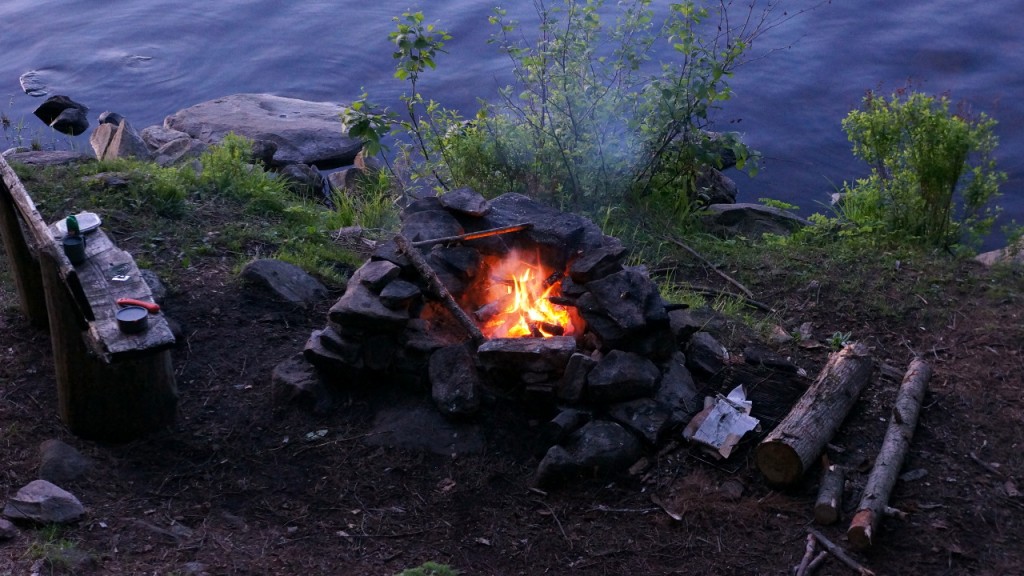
235,487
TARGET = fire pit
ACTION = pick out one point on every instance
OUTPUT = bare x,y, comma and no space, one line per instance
512,298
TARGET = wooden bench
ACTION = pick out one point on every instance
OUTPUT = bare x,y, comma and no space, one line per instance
111,385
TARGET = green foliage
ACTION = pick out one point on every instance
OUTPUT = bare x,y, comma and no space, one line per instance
52,548
430,569
773,203
925,159
839,339
589,122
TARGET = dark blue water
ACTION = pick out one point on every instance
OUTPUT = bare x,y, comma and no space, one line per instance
147,59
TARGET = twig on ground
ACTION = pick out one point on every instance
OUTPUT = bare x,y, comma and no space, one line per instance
818,560
698,256
840,554
801,568
557,521
707,291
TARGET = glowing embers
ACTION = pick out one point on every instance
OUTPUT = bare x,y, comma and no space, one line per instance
516,300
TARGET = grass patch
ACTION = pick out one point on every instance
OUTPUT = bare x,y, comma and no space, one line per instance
172,219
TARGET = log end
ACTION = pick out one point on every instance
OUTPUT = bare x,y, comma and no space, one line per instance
779,463
826,513
861,530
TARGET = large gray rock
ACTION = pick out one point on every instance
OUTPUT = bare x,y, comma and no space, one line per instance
63,115
1009,255
621,376
305,132
599,448
678,392
111,141
289,282
42,502
296,381
61,463
454,382
45,157
749,220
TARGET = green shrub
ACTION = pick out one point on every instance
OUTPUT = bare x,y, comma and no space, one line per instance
925,159
589,121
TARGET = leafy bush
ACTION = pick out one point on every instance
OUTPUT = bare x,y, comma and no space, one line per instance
924,160
590,121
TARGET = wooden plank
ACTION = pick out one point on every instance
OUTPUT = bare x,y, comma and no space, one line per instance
21,259
99,295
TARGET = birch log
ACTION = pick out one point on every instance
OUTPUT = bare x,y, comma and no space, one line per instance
875,501
787,452
830,495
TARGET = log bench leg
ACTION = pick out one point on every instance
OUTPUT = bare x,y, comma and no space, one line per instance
98,400
23,265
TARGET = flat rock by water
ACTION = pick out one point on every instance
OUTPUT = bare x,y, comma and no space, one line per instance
304,132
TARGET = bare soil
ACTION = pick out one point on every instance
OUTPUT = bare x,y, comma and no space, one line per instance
235,487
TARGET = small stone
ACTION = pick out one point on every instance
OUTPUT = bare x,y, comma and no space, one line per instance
596,264
398,294
643,416
731,490
574,380
376,274
565,423
621,376
430,225
466,201
7,530
360,307
454,381
705,354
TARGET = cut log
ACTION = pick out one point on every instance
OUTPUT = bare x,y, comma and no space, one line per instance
787,452
830,496
875,501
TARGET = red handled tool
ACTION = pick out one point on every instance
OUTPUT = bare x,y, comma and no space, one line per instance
150,306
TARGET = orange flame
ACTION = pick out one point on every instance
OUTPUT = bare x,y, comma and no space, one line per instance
520,292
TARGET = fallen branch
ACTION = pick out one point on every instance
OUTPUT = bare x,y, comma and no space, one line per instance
813,566
801,568
790,449
875,501
725,276
439,289
474,235
706,291
840,554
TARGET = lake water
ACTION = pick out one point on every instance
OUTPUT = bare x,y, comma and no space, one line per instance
147,59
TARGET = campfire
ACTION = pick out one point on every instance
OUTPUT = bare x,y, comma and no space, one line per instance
520,295
510,298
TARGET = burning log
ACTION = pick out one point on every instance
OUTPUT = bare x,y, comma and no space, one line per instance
488,311
874,502
474,235
438,288
786,453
